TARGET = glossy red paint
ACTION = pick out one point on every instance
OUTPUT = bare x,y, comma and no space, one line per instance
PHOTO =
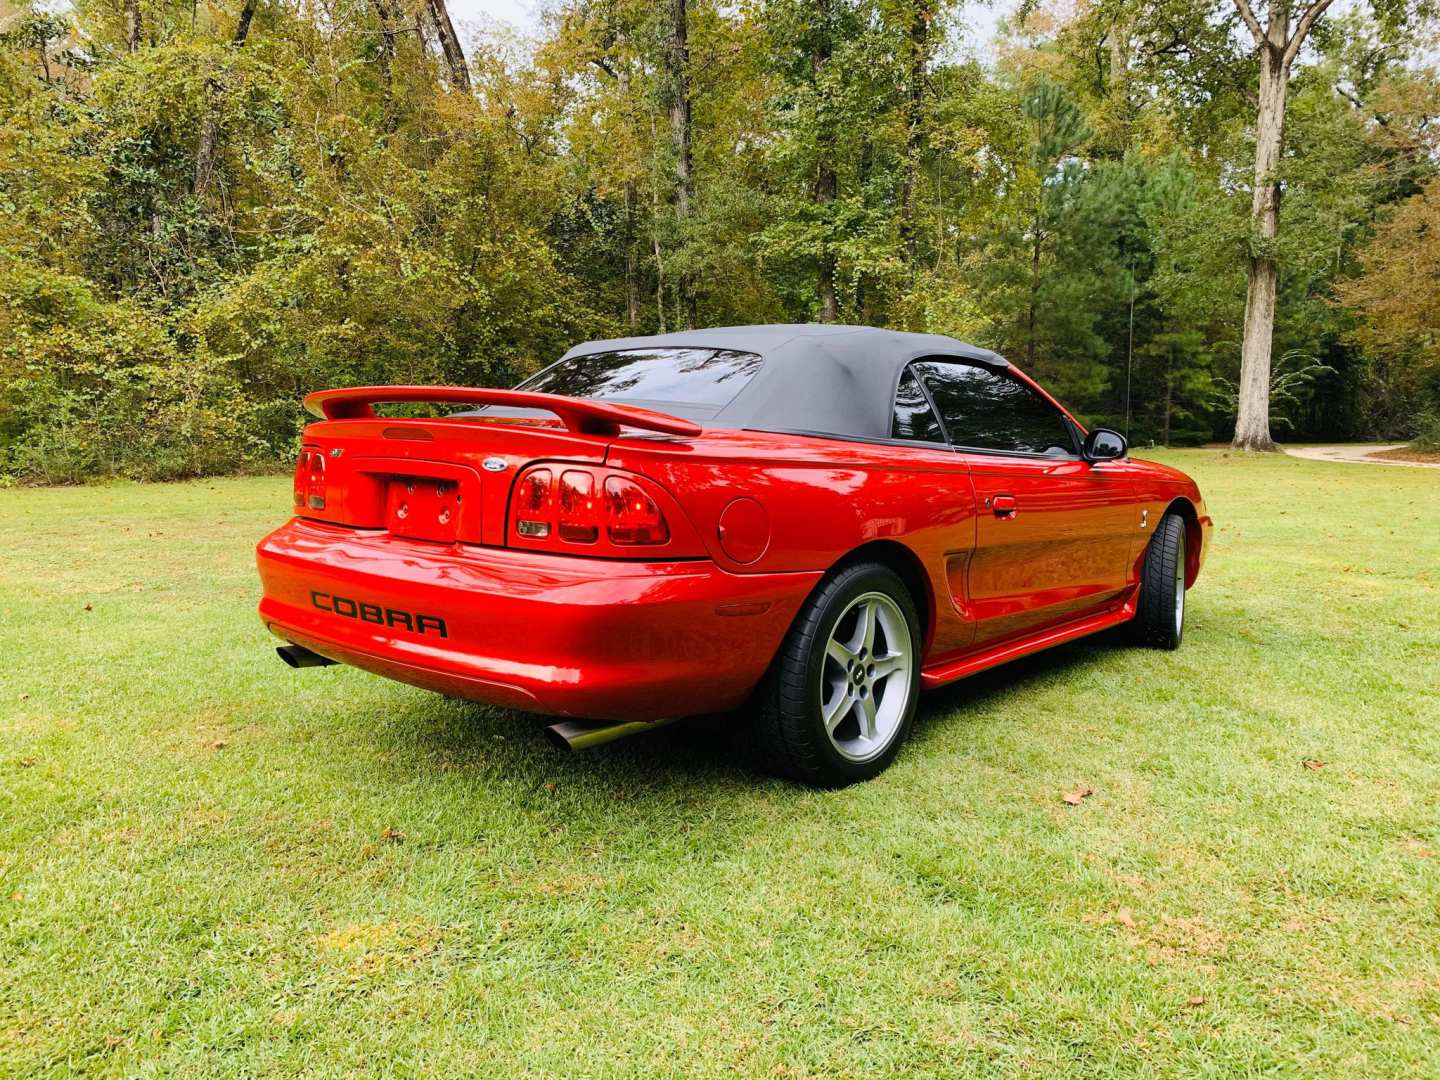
1007,554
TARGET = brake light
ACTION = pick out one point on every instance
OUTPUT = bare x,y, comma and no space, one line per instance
579,509
309,490
584,506
316,484
302,479
631,515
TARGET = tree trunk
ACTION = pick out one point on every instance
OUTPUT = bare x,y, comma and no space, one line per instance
921,16
826,186
1252,421
1119,44
209,136
242,28
678,63
450,46
132,25
826,180
1169,395
386,62
1276,48
632,261
1034,288
655,241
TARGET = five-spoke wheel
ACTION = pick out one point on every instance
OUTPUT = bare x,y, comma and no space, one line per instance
865,677
842,693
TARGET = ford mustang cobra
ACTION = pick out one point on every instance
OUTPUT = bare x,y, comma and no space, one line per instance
812,523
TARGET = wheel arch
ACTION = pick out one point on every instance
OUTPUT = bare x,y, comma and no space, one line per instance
907,567
1185,510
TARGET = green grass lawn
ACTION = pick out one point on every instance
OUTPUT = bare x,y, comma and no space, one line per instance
211,864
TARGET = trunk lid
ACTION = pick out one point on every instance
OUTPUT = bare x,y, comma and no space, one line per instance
446,480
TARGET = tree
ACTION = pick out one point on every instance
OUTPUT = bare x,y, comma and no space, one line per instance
1058,129
920,43
450,45
677,63
1397,294
132,25
1276,46
822,46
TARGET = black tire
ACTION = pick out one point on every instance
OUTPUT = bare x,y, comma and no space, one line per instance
791,733
1160,613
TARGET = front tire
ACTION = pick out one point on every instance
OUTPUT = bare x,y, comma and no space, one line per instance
1160,614
842,693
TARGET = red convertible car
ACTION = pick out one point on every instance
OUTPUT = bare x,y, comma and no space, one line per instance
814,522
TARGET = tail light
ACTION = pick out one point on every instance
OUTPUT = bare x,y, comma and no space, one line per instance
586,507
534,507
580,511
310,480
317,481
632,516
302,479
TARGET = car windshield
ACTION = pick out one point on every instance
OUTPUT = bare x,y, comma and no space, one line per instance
676,376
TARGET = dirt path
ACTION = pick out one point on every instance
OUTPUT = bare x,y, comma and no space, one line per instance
1361,454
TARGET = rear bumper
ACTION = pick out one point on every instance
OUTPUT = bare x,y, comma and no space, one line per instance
593,638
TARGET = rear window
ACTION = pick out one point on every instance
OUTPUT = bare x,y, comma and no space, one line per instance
704,377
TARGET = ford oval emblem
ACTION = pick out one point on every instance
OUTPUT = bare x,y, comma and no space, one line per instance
493,464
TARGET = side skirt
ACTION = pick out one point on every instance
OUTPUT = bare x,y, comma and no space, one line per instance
1004,652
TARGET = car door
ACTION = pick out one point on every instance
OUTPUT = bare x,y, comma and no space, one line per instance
943,497
1053,531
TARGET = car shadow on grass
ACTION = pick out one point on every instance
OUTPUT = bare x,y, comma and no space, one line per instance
971,699
698,752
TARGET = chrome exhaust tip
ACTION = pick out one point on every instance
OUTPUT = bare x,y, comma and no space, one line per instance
581,735
297,656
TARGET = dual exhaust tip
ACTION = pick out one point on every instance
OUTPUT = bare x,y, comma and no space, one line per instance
567,734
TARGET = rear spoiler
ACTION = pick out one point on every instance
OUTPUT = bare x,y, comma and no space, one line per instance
578,414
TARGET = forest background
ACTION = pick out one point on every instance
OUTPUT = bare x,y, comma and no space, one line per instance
209,209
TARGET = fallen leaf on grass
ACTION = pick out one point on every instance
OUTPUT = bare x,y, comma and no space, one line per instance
1194,1001
1074,797
1313,764
1419,849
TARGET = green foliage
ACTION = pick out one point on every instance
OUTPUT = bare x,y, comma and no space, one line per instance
1427,433
195,233
1292,384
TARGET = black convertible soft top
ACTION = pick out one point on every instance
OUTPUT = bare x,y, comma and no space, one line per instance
823,379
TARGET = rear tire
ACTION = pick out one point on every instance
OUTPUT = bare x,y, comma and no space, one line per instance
1160,613
841,695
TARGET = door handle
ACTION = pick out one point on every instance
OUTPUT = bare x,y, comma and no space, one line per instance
1003,506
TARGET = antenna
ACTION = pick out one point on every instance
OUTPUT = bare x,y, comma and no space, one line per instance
1130,350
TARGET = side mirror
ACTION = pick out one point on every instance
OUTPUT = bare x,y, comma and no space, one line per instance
1102,444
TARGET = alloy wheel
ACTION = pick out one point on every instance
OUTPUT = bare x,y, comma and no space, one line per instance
865,676
1180,585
